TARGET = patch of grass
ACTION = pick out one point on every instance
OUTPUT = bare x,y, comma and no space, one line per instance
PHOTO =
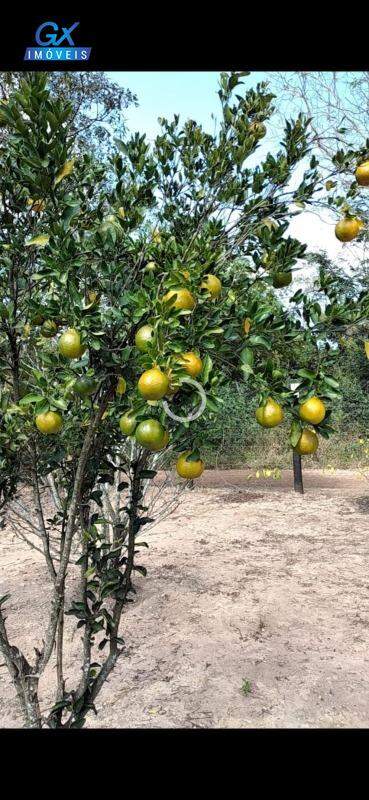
246,687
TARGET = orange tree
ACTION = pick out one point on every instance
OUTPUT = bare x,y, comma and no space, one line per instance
117,291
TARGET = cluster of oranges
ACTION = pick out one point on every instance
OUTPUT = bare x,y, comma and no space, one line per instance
311,411
349,227
153,384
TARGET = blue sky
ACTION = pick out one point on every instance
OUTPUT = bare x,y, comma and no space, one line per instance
194,95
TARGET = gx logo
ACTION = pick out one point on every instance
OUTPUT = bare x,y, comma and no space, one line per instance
50,39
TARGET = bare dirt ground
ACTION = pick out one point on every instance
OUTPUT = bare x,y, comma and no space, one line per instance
246,581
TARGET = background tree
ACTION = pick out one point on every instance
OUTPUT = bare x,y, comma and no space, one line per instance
98,106
103,317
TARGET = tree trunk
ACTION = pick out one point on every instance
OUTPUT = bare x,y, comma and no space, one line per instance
297,474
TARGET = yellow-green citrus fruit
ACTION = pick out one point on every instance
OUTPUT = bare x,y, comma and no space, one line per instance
151,434
347,229
49,423
191,363
362,174
49,329
189,469
127,424
70,344
269,415
85,387
212,284
143,337
282,279
247,326
121,212
150,266
121,386
313,410
153,384
184,299
307,443
156,237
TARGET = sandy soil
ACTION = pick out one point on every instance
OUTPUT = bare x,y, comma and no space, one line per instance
246,581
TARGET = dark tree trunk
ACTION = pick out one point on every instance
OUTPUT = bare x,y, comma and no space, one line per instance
297,474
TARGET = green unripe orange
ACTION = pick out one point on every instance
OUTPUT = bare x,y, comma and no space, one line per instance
151,434
144,336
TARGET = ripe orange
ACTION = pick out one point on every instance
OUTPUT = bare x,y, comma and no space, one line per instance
362,174
70,344
143,337
189,469
212,284
127,424
184,299
151,434
270,415
307,443
313,410
191,363
347,229
153,384
49,423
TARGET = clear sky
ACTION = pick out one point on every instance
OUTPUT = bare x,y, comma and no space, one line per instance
194,95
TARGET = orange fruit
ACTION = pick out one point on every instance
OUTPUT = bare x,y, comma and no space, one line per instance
313,410
307,443
49,423
150,433
270,415
153,384
362,174
70,344
189,469
127,424
184,299
191,363
347,229
143,337
212,284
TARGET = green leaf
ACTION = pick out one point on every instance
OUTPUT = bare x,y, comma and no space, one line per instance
296,430
31,398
